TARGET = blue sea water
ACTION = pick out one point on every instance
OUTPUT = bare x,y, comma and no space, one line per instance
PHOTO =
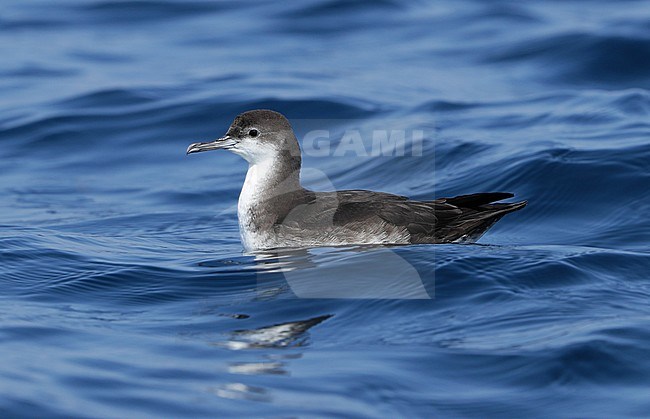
125,291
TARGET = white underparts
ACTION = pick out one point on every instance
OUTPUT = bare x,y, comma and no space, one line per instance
257,184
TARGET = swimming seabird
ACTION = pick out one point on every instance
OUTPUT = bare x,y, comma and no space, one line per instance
275,211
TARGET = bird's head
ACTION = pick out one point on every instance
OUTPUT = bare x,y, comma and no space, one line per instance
256,136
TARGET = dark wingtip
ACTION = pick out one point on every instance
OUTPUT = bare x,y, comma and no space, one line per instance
478,199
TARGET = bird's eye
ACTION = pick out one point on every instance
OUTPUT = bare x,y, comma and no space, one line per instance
253,133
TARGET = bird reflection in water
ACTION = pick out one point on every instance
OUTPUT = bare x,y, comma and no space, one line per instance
278,336
372,272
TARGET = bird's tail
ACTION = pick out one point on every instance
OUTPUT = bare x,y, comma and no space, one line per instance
480,213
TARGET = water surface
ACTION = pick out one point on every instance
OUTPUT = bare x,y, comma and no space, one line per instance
125,289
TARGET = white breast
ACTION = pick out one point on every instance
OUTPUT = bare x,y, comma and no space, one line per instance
255,185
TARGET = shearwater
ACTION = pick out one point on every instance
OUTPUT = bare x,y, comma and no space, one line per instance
275,211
